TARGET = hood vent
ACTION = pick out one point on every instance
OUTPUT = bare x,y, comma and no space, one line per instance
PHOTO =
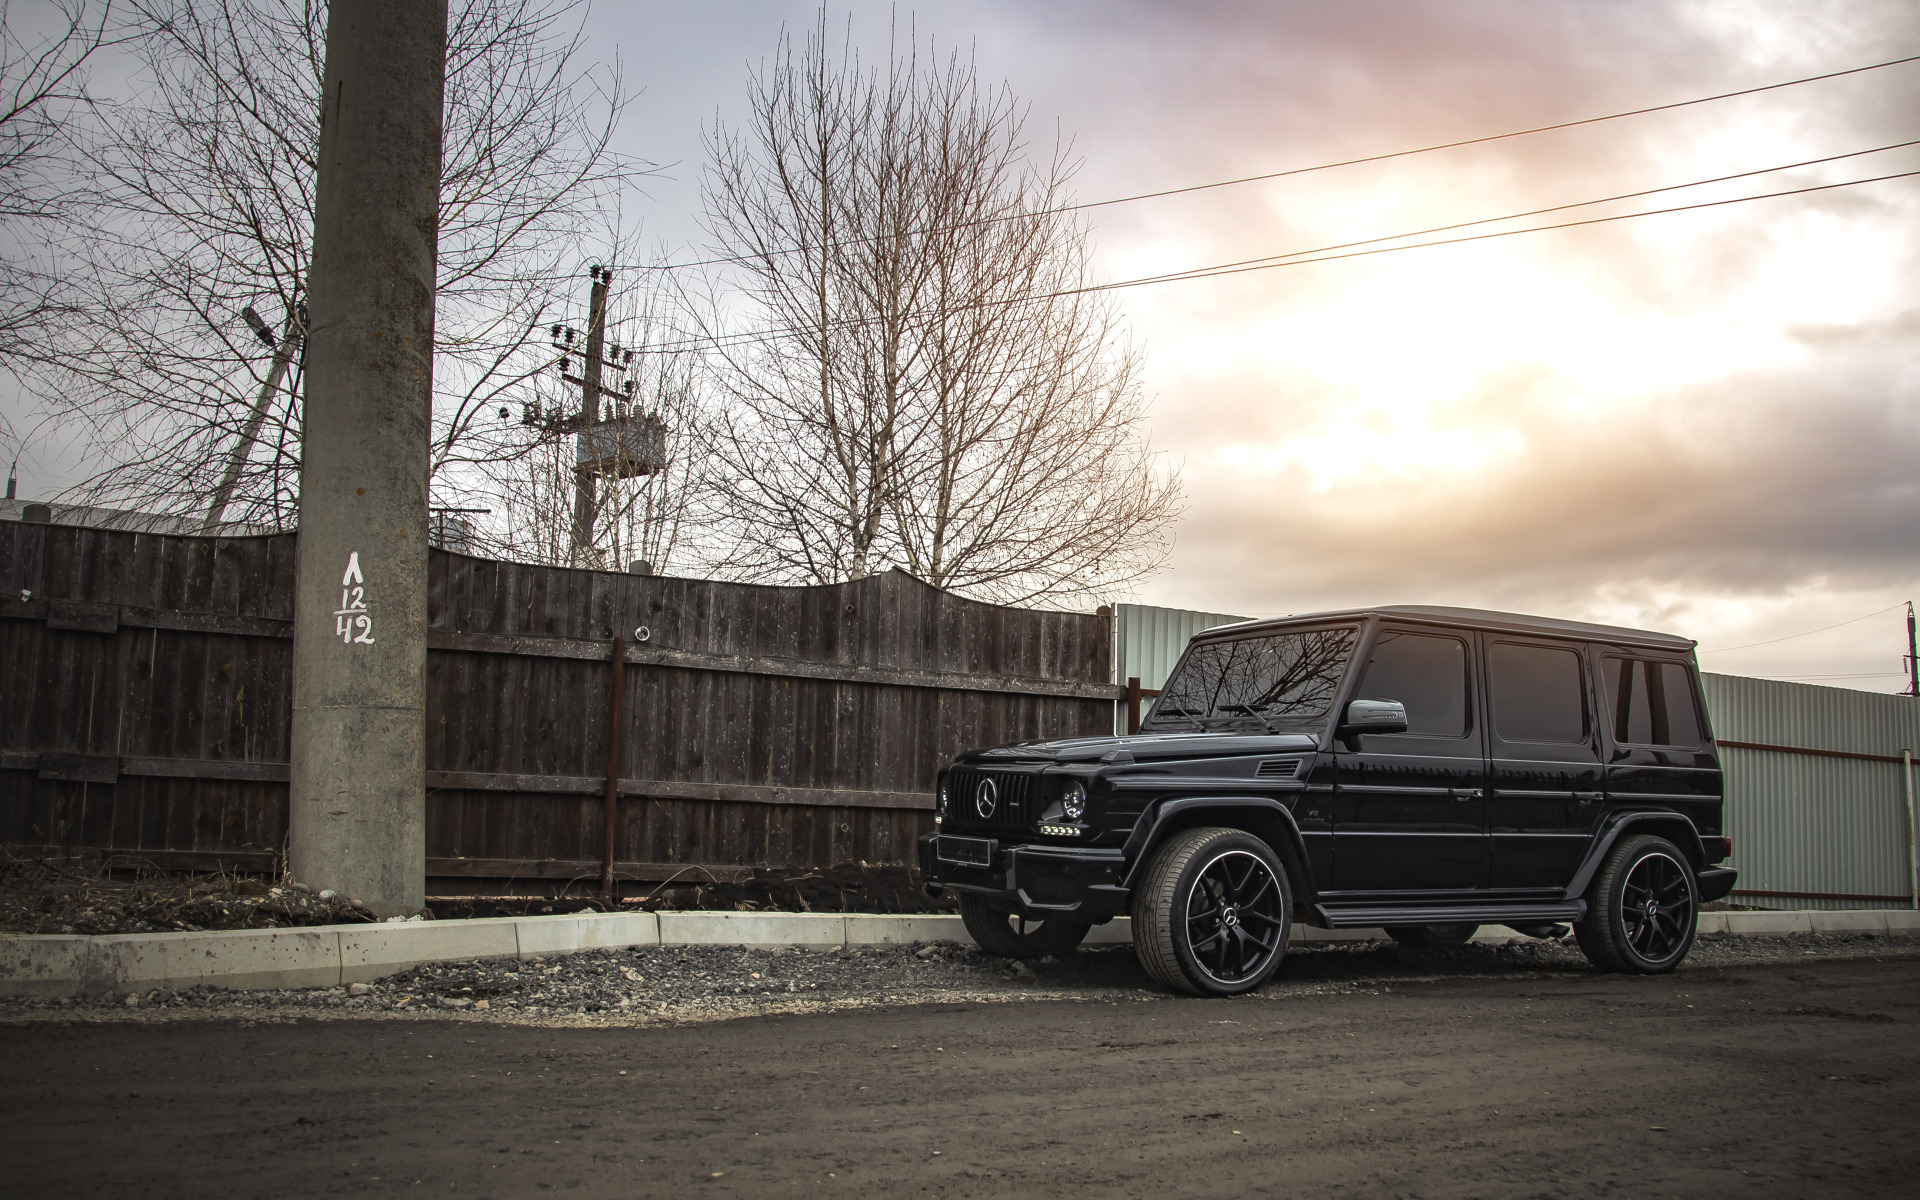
1278,768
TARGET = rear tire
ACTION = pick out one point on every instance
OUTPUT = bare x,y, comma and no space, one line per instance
1012,936
1641,908
1212,913
1432,937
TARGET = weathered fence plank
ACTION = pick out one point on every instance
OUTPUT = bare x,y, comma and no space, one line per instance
145,708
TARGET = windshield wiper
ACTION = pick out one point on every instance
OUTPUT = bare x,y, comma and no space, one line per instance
1188,713
1250,711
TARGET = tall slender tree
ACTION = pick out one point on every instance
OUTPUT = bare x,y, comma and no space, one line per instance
931,386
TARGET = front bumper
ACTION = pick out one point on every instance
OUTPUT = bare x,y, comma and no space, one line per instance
1038,882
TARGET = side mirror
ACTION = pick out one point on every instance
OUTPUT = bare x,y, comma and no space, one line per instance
1374,716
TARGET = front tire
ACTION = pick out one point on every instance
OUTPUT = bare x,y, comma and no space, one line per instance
1012,936
1641,909
1212,913
1432,937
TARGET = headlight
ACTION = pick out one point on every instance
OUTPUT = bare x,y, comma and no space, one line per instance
940,801
1073,800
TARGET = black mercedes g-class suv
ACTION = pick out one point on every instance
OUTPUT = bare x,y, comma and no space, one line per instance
1429,770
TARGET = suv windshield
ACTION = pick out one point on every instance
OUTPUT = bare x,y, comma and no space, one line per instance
1272,681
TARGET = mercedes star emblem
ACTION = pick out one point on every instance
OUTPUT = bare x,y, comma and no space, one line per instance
985,798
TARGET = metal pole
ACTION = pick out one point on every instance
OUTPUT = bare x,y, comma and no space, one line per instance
1913,656
237,458
583,502
613,771
1913,857
357,801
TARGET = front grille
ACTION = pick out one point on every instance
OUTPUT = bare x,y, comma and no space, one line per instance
1047,881
1013,797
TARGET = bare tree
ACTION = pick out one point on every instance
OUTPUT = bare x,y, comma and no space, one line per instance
43,88
935,388
208,178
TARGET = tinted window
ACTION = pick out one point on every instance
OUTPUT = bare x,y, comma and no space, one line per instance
1282,676
1427,674
1651,703
1537,696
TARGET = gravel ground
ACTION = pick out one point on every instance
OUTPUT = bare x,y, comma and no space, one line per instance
652,985
1475,1077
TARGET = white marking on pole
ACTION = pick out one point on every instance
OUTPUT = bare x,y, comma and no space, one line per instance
352,622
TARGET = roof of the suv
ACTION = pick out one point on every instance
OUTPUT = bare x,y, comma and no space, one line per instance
1477,618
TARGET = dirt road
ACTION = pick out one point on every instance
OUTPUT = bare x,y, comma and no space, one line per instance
1786,1079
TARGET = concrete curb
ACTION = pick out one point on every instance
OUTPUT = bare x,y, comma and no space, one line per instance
330,955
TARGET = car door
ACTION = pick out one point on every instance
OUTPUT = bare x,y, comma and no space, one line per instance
1410,808
1545,769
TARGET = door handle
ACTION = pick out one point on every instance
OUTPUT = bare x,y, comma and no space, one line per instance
1465,793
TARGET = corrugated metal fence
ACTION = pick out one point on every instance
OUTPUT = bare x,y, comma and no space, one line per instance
1147,642
1815,801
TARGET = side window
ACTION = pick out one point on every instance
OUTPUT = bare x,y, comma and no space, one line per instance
1537,693
1651,703
1427,674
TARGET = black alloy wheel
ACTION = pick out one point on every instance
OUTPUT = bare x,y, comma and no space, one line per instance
1641,909
1212,915
1432,937
1011,935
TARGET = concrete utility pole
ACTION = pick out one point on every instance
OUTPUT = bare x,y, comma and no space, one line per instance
360,611
583,480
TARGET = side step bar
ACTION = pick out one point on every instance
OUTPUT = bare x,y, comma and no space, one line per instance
1343,917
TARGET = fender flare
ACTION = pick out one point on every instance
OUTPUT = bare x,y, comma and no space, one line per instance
1147,833
1616,824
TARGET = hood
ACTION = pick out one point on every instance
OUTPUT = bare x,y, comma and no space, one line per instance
1142,747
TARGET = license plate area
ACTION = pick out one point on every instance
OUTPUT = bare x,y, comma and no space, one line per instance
965,851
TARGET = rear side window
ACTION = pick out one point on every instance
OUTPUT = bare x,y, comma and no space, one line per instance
1537,693
1651,703
1425,673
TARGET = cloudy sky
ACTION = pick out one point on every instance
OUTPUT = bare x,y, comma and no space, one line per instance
1705,422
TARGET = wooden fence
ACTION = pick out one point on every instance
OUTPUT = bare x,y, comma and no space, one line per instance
145,701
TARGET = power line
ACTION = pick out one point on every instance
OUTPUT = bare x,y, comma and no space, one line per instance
1292,171
1676,187
1298,259
1230,269
1809,633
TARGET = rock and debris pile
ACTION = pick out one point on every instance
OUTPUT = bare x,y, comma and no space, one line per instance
85,896
692,983
852,887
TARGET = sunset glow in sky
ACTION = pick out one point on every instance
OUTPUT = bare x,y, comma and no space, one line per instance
1703,422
